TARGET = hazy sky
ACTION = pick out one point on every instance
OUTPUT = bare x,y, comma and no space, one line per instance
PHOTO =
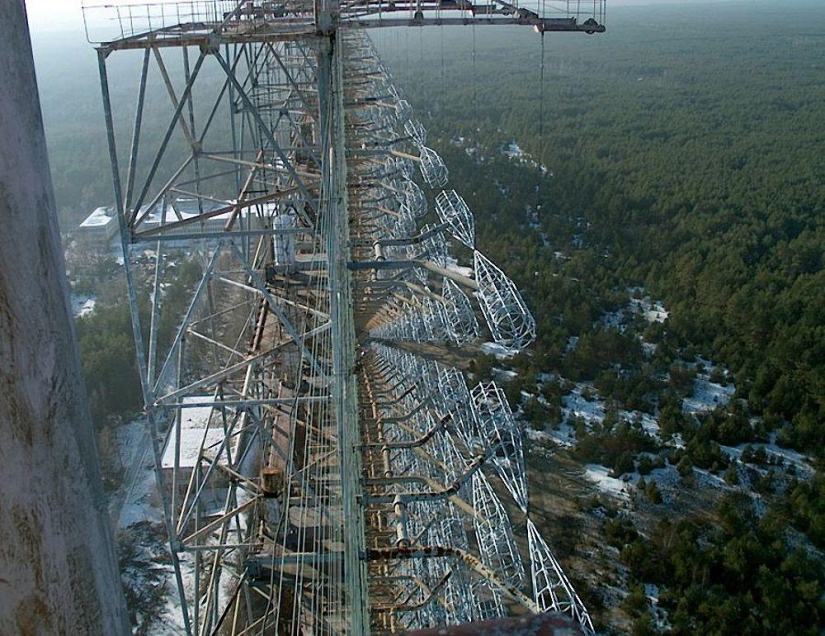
55,15
63,15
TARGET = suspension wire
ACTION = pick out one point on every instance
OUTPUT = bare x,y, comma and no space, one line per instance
475,79
541,128
421,45
407,54
443,72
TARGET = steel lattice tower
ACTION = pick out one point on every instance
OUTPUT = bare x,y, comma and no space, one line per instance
344,482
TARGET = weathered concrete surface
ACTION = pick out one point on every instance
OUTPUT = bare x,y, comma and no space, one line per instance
58,571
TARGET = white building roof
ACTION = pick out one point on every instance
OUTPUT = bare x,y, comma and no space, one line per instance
194,426
101,217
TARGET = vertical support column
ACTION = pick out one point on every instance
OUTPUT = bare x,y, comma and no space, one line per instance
345,384
146,376
58,568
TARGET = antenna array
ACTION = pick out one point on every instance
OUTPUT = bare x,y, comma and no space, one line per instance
321,473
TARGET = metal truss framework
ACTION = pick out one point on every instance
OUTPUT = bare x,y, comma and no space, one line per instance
336,481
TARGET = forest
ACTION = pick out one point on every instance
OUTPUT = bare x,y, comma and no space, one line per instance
680,154
684,156
680,157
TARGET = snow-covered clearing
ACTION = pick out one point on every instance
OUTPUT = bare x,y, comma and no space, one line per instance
563,435
600,476
776,455
707,396
575,405
133,506
650,424
651,310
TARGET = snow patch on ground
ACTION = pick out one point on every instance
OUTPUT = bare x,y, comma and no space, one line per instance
83,305
143,504
504,375
575,405
562,434
599,475
614,319
140,502
649,348
537,436
707,396
652,310
137,500
709,480
801,463
500,352
171,617
513,151
650,424
667,479
453,266
660,615
798,460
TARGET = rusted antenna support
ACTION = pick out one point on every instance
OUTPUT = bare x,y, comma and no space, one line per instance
342,484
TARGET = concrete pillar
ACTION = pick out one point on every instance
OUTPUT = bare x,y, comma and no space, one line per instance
58,568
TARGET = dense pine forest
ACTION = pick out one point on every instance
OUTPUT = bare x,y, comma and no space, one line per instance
681,158
685,155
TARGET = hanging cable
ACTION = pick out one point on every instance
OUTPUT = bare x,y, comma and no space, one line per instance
541,128
421,45
443,72
407,52
475,78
